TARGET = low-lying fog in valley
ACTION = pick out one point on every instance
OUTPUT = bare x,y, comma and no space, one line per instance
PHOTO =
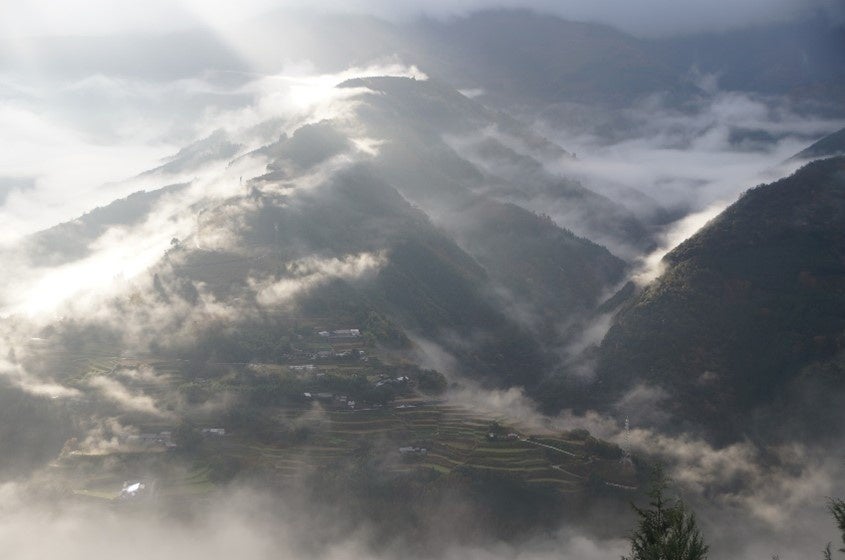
457,249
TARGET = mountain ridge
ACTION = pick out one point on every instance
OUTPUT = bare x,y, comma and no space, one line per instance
743,307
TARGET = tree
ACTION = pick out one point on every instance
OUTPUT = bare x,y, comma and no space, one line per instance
666,530
837,509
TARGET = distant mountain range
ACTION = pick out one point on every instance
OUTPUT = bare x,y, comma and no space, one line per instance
518,58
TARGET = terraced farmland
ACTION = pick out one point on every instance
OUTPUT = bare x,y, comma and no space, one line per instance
452,437
306,436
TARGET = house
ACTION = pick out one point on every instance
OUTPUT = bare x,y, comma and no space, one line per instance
136,489
132,490
347,333
161,439
390,381
340,333
216,432
410,450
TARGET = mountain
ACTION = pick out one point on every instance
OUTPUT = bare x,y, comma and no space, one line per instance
802,58
318,309
444,150
420,215
429,151
520,55
71,241
745,329
427,284
519,59
830,145
444,210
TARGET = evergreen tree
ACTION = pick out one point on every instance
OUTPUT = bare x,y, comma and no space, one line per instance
667,530
837,509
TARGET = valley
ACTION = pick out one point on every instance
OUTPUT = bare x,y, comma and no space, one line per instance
422,282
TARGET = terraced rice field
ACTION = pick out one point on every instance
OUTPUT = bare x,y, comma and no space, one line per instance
452,436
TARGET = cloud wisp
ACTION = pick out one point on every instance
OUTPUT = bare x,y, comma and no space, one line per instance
307,273
686,159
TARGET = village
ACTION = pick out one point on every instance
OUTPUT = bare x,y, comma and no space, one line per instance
311,411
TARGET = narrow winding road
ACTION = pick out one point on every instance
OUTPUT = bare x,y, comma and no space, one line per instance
537,443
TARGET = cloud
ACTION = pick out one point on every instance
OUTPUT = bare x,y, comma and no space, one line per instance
120,253
751,501
65,162
304,274
77,532
644,404
235,522
142,320
685,158
106,436
62,168
765,486
72,145
517,409
590,334
266,107
431,355
21,378
748,498
79,143
129,400
649,267
676,168
671,167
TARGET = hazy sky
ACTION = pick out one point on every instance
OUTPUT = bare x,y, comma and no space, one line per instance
62,17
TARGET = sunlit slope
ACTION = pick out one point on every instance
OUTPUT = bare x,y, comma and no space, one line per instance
459,254
442,147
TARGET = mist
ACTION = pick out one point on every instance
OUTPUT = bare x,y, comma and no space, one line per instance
269,302
690,158
748,497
